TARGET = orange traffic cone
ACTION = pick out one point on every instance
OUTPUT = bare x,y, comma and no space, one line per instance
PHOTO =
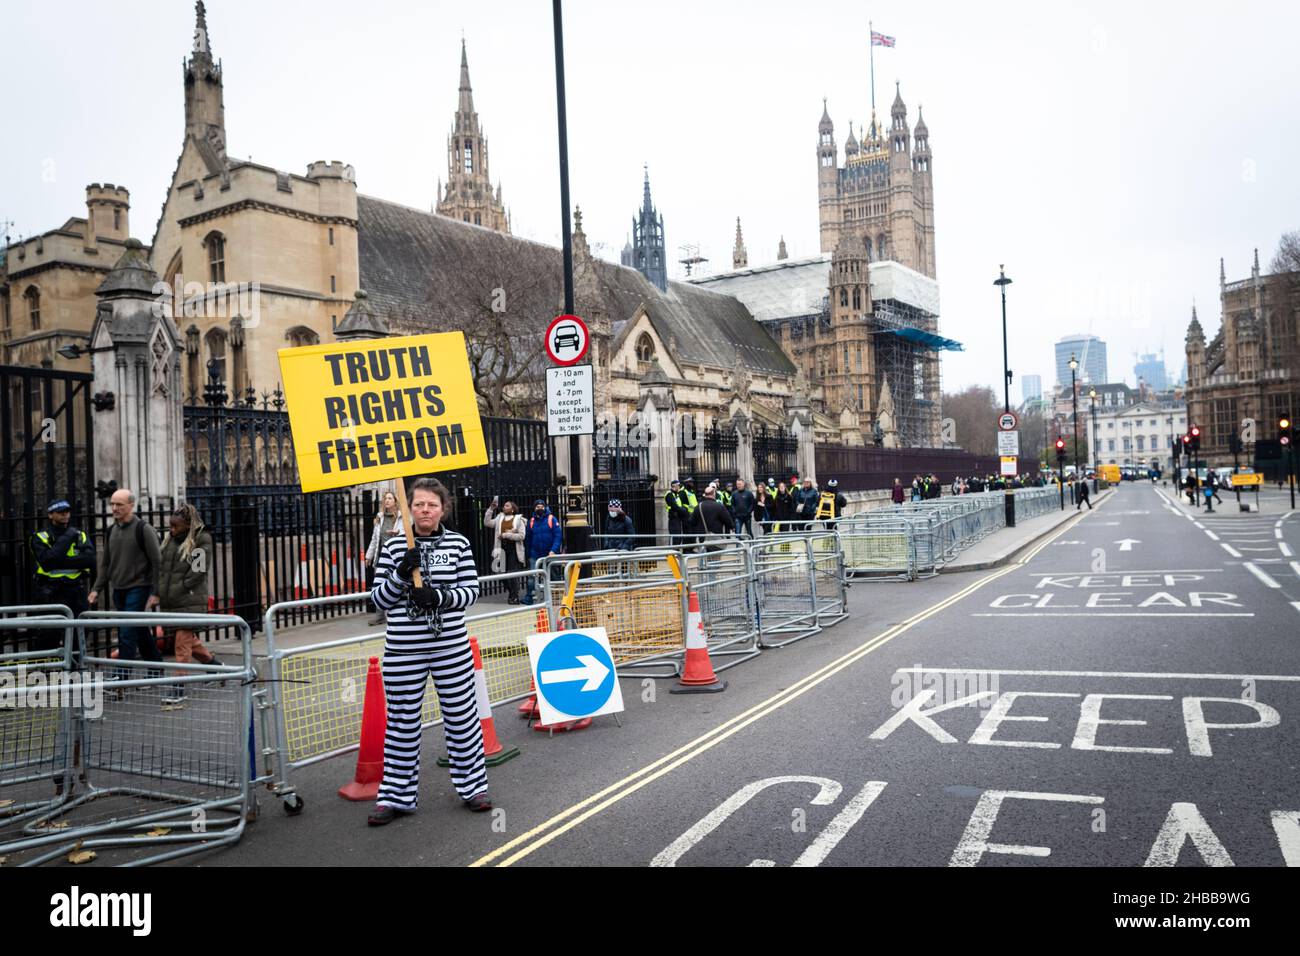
493,749
697,675
529,708
370,756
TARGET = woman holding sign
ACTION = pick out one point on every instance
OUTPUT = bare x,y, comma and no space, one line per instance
427,637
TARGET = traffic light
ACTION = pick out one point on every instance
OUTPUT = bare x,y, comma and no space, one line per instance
1284,431
1060,449
1177,448
1195,435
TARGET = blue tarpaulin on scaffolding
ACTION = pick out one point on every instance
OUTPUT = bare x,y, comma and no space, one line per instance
928,339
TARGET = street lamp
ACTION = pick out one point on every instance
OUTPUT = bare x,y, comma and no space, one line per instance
1002,282
1096,439
1074,398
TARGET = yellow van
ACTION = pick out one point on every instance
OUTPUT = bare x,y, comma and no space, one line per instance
1109,474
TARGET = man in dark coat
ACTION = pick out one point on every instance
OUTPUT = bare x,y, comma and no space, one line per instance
742,507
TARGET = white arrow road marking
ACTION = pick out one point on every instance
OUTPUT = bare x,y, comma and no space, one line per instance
1262,575
592,671
1127,544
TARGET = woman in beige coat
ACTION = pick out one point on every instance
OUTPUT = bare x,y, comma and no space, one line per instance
508,532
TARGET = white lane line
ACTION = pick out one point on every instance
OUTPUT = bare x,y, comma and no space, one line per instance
1295,566
1119,614
1138,675
1285,549
1231,550
1199,525
1277,531
1212,534
1260,550
1262,575
1296,605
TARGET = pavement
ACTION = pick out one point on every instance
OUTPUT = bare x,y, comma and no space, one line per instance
1003,545
1126,691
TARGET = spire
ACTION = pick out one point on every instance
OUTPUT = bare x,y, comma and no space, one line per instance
851,144
780,250
825,126
1255,269
921,128
201,45
739,257
646,205
1195,334
1223,278
899,108
466,93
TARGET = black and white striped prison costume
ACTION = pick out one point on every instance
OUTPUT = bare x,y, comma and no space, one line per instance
421,642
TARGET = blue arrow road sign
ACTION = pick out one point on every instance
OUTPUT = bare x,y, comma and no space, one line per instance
574,673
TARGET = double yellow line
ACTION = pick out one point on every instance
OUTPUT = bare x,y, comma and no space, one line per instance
564,821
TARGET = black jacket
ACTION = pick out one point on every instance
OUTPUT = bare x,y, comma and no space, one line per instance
742,505
717,519
621,525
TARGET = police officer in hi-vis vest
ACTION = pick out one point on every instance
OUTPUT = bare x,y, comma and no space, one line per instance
65,561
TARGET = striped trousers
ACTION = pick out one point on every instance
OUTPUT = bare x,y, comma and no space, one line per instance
452,668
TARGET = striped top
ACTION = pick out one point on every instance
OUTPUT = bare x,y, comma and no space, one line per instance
446,562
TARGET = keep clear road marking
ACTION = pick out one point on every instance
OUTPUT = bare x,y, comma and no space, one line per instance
547,831
1137,675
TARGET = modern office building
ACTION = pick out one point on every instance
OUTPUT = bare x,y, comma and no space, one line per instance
1091,353
1031,387
1150,371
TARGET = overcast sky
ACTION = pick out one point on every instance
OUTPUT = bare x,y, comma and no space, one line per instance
1108,153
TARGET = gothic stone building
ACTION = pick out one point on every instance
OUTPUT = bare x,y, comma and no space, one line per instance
1250,369
883,193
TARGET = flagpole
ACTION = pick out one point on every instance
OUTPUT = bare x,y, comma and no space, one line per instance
871,43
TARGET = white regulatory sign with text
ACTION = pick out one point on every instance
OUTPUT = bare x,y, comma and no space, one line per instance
570,402
1009,444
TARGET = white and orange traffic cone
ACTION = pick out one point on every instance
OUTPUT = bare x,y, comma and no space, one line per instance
370,754
697,674
331,585
353,579
302,577
493,749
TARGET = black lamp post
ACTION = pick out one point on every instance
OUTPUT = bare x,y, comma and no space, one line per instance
1074,398
1002,282
1096,439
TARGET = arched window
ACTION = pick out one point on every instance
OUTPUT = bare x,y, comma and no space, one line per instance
33,299
469,156
857,297
869,252
645,348
844,298
300,335
215,244
215,341
881,251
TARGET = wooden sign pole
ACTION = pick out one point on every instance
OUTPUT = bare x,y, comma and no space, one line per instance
408,526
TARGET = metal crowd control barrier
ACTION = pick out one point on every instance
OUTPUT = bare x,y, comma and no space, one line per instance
312,706
98,752
721,576
640,598
785,588
830,597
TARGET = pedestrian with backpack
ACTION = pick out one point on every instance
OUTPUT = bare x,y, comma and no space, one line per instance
542,539
129,574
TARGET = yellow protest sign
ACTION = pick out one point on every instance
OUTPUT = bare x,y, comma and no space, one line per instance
381,408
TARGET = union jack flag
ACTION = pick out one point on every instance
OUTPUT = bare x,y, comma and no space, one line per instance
879,39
